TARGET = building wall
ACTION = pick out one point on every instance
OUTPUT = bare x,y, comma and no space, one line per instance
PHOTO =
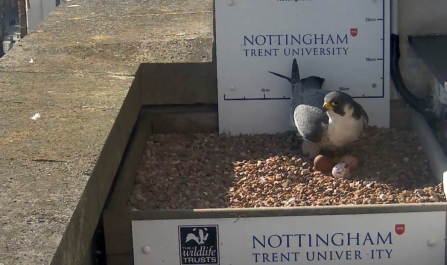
38,10
10,27
414,17
419,17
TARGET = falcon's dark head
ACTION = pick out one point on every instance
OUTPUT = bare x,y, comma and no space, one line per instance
338,102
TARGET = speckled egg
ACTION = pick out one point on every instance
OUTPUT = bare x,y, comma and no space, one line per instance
352,163
341,170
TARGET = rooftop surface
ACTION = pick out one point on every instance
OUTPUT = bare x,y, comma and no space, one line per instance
75,69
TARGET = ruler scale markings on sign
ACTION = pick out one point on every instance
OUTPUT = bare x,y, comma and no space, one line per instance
264,98
367,19
345,52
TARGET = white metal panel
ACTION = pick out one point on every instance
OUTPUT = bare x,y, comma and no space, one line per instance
7,45
47,7
38,10
346,42
392,239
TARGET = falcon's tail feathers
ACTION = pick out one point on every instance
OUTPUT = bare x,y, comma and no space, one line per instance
295,79
282,76
295,72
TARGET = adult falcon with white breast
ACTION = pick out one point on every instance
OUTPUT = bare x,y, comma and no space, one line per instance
326,120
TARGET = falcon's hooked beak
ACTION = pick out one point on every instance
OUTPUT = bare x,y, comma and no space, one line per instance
327,106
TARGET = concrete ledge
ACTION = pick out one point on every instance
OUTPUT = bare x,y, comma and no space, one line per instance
183,83
86,82
436,157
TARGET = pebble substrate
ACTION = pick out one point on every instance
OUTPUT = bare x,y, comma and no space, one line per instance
211,171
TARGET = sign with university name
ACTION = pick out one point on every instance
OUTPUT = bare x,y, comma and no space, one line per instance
364,239
345,42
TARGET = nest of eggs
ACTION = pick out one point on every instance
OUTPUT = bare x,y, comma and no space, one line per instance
342,167
211,171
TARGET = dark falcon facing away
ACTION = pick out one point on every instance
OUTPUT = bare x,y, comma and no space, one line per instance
324,119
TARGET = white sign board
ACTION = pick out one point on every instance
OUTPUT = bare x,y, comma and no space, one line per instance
392,239
346,42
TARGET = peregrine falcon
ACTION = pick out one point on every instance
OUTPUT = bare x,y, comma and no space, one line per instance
308,83
326,120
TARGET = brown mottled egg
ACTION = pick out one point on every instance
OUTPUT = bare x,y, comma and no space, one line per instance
323,163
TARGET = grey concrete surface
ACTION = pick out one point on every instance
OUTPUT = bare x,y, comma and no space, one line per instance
55,172
435,155
418,17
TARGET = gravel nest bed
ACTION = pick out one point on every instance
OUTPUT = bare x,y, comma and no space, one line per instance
211,171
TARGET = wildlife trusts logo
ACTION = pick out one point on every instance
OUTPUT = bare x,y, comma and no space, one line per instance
199,244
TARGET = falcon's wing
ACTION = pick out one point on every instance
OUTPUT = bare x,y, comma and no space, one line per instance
363,113
312,82
308,121
311,97
308,115
306,104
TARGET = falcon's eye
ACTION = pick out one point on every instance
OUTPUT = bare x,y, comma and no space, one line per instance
335,103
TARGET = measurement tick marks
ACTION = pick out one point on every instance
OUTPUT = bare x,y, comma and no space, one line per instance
373,19
248,98
266,93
